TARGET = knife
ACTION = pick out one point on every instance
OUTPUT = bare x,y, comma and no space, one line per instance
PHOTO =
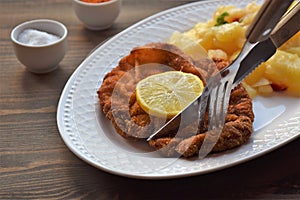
287,27
261,52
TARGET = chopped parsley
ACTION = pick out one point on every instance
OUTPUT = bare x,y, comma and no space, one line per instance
221,20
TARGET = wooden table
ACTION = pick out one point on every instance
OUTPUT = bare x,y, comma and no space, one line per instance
36,164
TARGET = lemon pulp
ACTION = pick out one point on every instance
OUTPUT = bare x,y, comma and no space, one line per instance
166,94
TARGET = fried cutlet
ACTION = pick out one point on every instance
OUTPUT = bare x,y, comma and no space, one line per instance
118,101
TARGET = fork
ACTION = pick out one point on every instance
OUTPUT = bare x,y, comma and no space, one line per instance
216,95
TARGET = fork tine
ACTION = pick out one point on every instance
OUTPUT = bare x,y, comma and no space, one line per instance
202,110
222,104
208,142
218,104
229,86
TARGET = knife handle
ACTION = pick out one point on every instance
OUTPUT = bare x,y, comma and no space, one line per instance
287,27
266,19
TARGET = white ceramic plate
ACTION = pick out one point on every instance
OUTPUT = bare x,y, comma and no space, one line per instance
91,137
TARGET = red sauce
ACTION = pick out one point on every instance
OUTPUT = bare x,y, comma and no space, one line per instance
95,1
277,87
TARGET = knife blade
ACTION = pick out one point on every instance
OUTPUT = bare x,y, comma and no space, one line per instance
284,30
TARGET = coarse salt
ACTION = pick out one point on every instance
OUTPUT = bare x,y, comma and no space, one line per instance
36,38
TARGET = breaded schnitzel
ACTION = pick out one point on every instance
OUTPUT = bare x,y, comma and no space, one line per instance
118,101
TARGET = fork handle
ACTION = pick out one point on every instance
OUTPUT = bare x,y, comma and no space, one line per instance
288,26
266,19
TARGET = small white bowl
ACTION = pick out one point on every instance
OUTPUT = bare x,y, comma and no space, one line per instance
40,58
97,16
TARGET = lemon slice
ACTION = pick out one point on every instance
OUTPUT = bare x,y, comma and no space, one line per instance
166,94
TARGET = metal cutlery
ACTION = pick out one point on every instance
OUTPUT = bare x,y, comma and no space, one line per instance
263,38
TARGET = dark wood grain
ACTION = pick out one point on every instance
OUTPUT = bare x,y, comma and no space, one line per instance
36,164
